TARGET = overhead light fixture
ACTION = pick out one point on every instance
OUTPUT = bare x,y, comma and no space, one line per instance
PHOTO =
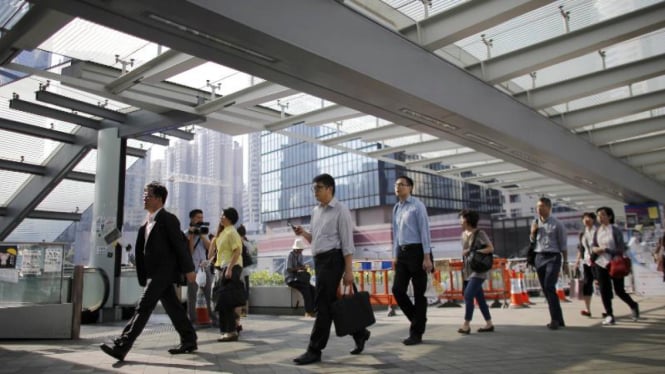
425,118
211,38
484,140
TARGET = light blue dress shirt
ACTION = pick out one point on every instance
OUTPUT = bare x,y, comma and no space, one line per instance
410,225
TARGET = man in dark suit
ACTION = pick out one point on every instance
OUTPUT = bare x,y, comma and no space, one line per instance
162,259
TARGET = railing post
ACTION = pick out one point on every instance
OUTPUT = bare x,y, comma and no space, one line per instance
77,300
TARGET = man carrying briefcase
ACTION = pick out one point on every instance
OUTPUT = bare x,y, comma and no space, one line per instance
331,237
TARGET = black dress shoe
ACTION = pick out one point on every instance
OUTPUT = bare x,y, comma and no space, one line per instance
360,343
307,358
183,348
412,340
116,351
554,325
486,329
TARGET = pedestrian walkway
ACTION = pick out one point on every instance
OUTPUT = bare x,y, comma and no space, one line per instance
521,344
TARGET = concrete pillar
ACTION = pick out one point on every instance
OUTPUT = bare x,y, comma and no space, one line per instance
105,208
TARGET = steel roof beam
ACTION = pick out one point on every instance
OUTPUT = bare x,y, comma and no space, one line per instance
375,134
44,111
33,192
599,81
316,117
43,214
177,133
22,167
575,119
645,159
609,134
36,131
427,146
636,146
254,95
80,106
162,67
466,155
466,19
515,173
492,164
654,169
570,45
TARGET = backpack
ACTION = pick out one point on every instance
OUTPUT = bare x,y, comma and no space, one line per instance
246,257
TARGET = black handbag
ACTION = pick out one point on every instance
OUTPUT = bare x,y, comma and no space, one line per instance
303,277
479,262
229,293
352,312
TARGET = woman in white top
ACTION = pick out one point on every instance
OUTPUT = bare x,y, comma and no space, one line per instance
585,257
608,242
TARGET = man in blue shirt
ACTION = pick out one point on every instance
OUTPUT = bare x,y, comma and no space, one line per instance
551,241
412,254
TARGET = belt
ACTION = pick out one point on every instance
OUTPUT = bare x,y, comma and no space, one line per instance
328,253
409,247
548,253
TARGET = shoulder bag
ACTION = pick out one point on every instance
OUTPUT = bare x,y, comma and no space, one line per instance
479,262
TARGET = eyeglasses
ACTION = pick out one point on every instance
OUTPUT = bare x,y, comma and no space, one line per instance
148,196
318,187
402,185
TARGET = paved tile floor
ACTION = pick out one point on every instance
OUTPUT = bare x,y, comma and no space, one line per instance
521,344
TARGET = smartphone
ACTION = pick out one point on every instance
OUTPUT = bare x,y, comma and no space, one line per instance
288,223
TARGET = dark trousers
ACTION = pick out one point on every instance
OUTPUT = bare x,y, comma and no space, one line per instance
164,291
606,283
548,266
329,268
308,293
227,312
587,288
409,268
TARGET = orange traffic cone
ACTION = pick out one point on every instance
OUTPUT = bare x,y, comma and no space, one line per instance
525,293
515,292
202,316
560,293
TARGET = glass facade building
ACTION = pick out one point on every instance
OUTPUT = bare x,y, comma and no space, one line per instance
289,164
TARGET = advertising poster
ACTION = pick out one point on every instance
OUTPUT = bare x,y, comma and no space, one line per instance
52,259
31,261
8,256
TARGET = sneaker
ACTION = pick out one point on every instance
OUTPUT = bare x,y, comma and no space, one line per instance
585,313
609,320
635,313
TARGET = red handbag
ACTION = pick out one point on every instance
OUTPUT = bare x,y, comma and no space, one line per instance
620,266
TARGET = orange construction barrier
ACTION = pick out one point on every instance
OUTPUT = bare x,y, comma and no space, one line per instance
525,293
516,299
202,316
560,292
376,278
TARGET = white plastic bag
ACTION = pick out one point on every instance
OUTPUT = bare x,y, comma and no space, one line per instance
201,277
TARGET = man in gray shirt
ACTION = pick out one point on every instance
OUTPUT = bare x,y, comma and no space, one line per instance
551,238
198,244
331,237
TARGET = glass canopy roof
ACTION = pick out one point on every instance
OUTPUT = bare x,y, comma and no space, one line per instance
115,50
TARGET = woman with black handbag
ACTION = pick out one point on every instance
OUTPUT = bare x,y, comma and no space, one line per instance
228,289
474,240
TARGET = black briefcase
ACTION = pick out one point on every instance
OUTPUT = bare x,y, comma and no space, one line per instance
352,312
